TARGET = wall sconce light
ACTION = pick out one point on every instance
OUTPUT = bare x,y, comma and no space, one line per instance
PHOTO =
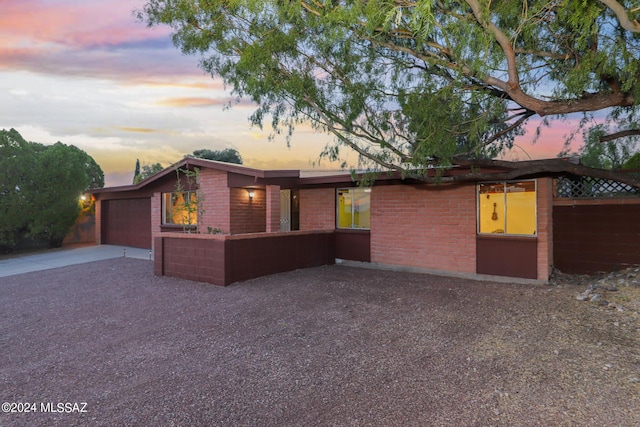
251,194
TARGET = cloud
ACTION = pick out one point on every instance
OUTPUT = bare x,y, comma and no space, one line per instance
76,23
138,130
167,65
96,39
192,102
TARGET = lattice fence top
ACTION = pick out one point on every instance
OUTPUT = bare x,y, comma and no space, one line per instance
576,187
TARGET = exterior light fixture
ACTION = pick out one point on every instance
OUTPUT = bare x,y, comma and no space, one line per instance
251,194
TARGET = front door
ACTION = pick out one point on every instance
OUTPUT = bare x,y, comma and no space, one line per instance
285,210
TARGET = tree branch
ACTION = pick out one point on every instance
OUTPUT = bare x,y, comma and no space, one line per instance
329,124
536,167
509,128
621,134
622,15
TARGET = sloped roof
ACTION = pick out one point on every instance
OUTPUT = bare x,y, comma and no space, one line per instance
242,176
190,162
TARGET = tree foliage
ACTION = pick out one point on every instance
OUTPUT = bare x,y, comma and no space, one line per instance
228,155
147,171
633,162
609,154
415,84
40,187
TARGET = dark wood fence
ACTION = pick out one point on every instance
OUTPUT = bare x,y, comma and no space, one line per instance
598,236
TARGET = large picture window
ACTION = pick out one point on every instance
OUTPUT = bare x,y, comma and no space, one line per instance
507,208
354,208
180,208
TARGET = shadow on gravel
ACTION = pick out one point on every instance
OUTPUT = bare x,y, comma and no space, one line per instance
325,346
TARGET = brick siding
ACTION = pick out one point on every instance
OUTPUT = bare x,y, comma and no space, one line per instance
544,188
247,216
156,217
98,232
318,209
216,200
424,227
273,208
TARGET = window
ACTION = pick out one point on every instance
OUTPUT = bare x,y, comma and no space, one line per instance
507,208
354,208
180,208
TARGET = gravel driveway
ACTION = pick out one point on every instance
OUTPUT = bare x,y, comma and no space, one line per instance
326,346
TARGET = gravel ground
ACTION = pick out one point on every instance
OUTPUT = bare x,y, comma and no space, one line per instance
326,346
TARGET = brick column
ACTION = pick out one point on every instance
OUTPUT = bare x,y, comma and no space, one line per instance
545,228
156,217
98,225
273,208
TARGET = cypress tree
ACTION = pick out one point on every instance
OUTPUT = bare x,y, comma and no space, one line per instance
137,171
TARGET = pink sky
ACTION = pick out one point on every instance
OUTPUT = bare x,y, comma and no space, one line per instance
84,72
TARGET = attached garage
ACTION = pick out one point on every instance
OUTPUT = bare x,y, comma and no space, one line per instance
127,222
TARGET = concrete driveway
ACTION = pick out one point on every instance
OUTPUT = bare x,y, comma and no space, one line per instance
62,258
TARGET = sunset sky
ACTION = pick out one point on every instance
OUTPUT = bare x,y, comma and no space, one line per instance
85,72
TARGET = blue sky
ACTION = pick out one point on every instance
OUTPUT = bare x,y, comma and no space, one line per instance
85,72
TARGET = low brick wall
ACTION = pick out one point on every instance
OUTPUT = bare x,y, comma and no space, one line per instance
225,259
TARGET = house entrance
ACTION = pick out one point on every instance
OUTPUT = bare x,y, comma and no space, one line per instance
289,210
285,210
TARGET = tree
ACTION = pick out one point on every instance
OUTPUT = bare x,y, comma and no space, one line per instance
228,155
147,171
596,153
633,162
17,161
136,172
62,178
40,188
410,85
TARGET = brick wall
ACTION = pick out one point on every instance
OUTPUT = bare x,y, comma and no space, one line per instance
318,209
193,258
98,232
216,200
83,230
156,217
426,227
273,208
224,259
544,188
247,216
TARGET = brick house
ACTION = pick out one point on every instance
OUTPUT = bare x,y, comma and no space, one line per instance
236,223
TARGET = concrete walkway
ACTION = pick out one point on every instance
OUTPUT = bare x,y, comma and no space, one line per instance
61,258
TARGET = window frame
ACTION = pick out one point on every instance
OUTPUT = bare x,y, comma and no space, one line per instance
166,213
351,191
505,209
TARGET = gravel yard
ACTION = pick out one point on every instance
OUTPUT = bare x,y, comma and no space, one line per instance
318,347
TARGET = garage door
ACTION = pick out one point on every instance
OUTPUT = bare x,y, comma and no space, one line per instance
127,222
